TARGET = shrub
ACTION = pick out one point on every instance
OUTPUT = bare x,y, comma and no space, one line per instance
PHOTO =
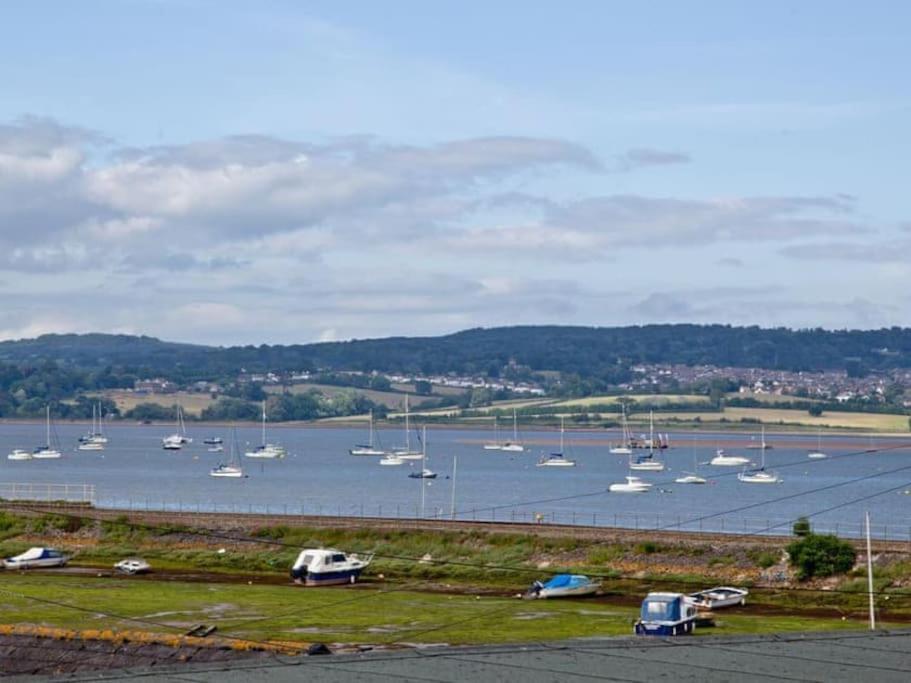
801,527
821,555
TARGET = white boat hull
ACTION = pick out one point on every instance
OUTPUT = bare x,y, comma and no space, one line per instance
817,455
647,466
46,455
513,448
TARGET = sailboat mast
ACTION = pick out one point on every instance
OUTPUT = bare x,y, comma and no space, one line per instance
407,428
651,433
47,410
515,426
371,428
423,466
264,423
561,435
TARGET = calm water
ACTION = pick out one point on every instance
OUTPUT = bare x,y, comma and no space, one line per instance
320,477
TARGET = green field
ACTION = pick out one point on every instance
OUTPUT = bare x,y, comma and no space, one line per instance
770,416
378,615
650,399
192,404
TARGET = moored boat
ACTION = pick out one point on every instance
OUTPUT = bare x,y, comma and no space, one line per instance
632,485
19,454
722,459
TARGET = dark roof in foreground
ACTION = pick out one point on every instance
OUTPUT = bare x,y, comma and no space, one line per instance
834,656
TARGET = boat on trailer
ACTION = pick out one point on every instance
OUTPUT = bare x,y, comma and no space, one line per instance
327,566
720,596
666,614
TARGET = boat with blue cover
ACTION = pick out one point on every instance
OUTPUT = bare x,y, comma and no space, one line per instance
563,586
326,566
666,614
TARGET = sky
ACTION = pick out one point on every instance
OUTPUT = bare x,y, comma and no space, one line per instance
289,171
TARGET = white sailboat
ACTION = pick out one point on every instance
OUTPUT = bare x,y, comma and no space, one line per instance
407,453
369,448
557,459
179,438
647,463
494,445
424,473
46,452
232,469
818,454
759,476
95,440
691,477
514,446
265,451
627,438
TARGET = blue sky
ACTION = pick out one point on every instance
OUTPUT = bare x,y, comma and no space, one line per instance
287,171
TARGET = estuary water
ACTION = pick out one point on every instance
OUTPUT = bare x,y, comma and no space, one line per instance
319,477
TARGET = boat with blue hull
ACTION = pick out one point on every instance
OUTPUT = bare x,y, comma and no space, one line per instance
327,567
666,614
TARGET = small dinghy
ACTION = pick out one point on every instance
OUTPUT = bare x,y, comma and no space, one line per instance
721,596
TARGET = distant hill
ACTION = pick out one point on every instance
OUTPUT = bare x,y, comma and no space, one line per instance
590,351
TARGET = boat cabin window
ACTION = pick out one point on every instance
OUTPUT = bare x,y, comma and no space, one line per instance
308,559
338,558
659,610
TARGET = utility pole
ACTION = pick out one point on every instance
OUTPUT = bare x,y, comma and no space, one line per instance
870,573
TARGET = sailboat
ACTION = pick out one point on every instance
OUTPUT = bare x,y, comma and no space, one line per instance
406,453
95,439
557,459
232,468
818,453
266,450
691,477
368,448
424,473
647,463
514,446
179,438
46,452
494,445
759,476
624,447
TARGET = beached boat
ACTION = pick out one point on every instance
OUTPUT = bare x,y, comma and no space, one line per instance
133,565
36,558
632,485
666,614
325,567
722,459
718,597
369,448
563,586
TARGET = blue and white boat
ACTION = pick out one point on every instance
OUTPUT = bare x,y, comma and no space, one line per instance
666,614
36,558
326,566
563,586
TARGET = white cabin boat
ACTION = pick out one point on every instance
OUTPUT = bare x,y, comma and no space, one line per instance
392,461
133,565
36,558
690,479
758,477
666,614
325,567
423,474
722,459
632,485
19,454
234,471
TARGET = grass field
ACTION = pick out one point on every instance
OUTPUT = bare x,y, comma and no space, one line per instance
193,404
653,399
771,416
379,615
391,399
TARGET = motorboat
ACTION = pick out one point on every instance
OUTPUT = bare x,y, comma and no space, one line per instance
392,461
223,470
19,454
621,450
213,441
133,565
632,485
721,596
817,455
423,474
722,459
217,448
370,447
759,476
666,614
326,566
36,558
690,479
172,443
562,586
